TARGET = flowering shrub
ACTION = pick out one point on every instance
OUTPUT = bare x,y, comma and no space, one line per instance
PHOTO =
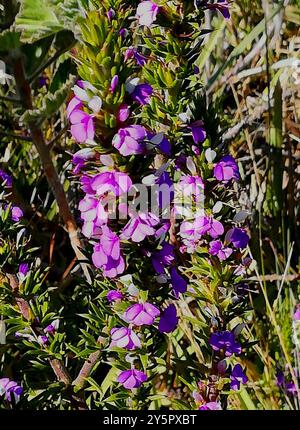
152,310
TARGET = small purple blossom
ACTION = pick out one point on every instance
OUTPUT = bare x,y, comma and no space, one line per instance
10,389
225,341
226,169
146,13
237,377
142,93
114,296
198,131
23,269
129,140
124,337
162,258
222,6
217,248
168,320
16,213
82,128
111,14
133,53
179,284
211,406
140,226
123,113
115,182
114,84
296,316
238,237
6,178
141,314
132,378
80,157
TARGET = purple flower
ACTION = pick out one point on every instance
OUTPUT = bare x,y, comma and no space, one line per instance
222,6
10,389
163,257
23,269
216,247
142,93
82,128
198,131
129,140
111,14
237,377
140,227
114,83
211,406
178,283
123,33
141,314
226,169
50,329
132,378
296,316
168,320
124,337
161,142
225,341
146,13
202,225
114,296
93,214
107,255
42,340
74,105
80,157
115,182
238,237
6,178
16,213
123,113
133,53
192,185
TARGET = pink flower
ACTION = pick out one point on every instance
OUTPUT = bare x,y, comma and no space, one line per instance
146,13
124,337
217,248
82,127
116,182
129,140
132,378
141,314
107,255
93,214
114,83
123,113
140,226
74,104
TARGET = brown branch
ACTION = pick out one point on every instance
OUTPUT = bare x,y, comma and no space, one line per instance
59,369
24,91
87,367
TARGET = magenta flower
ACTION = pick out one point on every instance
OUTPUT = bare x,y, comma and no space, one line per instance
16,213
141,314
129,140
211,406
168,320
132,378
23,270
114,296
296,316
74,105
237,377
10,389
115,182
142,93
225,341
139,227
80,157
133,53
162,258
192,185
123,113
93,214
146,13
124,337
82,128
179,284
114,84
107,255
216,247
226,169
198,131
238,237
